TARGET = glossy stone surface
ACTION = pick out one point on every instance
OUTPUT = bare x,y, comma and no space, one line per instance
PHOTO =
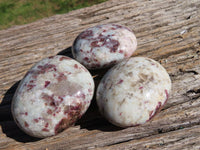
133,91
104,45
54,93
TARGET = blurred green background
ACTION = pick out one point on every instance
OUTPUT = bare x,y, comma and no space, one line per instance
17,12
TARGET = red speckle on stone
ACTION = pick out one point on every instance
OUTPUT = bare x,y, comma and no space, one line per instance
26,113
152,64
61,77
61,98
86,59
50,57
167,94
64,58
66,109
82,95
73,111
112,45
150,114
32,81
102,39
120,81
36,120
30,86
34,76
121,51
90,90
95,59
95,44
81,50
52,104
68,73
46,125
158,106
40,67
63,124
46,84
58,110
76,66
113,28
83,68
45,130
117,26
47,97
49,111
125,55
26,124
120,114
54,114
45,68
86,34
141,87
104,30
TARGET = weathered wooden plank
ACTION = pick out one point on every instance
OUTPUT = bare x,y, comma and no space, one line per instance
170,140
168,32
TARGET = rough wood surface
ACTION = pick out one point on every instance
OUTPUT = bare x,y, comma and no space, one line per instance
167,31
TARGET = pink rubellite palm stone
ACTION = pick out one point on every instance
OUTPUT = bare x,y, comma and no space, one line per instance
133,91
104,45
52,96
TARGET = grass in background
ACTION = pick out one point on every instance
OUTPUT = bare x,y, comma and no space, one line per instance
17,12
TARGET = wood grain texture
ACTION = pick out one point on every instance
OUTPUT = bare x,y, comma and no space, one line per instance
167,31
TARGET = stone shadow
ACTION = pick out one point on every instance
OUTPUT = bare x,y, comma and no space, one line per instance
9,127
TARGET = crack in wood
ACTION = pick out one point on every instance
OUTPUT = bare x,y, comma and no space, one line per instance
188,71
159,131
193,94
183,72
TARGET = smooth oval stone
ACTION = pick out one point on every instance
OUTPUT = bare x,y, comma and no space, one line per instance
133,91
104,45
54,93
